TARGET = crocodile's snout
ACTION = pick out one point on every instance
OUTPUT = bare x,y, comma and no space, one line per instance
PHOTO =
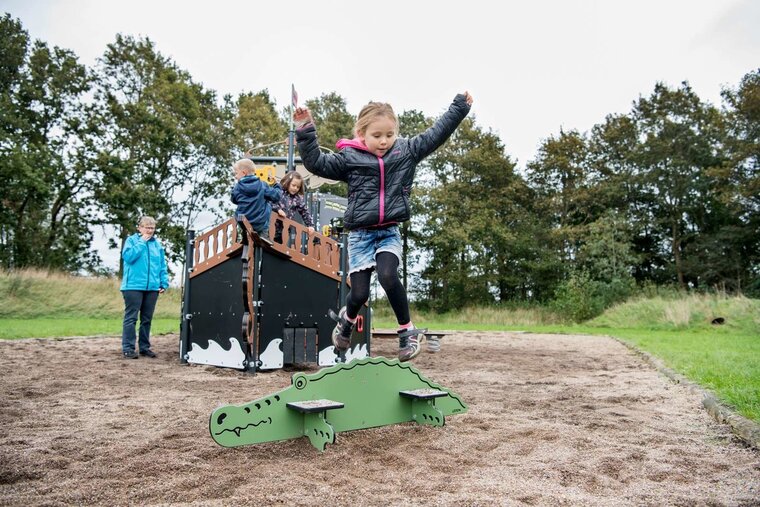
221,417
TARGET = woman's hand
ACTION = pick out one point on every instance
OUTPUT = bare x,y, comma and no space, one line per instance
468,98
281,213
146,232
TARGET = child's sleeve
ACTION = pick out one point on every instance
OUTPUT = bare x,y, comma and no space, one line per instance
327,165
273,193
426,143
304,211
277,205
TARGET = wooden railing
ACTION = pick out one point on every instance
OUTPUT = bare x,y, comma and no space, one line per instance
215,246
312,250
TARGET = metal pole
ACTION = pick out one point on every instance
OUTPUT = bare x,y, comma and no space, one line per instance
292,132
186,312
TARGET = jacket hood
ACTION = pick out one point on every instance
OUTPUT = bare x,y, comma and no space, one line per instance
352,143
248,180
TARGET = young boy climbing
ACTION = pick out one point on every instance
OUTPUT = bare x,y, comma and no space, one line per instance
379,168
253,197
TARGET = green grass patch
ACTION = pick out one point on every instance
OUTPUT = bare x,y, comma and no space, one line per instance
678,329
52,327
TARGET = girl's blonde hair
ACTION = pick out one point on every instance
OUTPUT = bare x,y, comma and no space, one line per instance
288,178
369,113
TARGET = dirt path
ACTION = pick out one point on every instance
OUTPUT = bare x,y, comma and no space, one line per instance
553,420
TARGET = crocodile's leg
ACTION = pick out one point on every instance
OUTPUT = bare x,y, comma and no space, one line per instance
319,431
425,412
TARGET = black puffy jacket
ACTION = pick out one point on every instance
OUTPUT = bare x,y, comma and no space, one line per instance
378,187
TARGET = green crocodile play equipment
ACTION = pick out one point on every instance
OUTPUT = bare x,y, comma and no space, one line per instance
364,393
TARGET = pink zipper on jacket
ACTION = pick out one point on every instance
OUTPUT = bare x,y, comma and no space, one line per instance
356,143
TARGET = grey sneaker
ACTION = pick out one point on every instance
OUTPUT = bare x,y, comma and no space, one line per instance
414,339
433,345
341,335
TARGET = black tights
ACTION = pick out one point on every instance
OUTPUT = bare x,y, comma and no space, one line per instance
387,274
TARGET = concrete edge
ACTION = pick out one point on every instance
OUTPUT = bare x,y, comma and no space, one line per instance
746,430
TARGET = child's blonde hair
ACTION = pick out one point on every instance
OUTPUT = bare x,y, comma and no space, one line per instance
369,113
244,165
288,178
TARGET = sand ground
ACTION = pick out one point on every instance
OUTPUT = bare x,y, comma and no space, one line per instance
553,420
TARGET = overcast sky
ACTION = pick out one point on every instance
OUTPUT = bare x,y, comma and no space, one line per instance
533,67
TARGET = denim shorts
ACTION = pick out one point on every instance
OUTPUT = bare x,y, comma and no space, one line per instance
365,244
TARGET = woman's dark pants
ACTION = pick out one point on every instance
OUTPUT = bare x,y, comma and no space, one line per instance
144,303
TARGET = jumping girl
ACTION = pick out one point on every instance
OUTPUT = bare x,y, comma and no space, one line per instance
379,169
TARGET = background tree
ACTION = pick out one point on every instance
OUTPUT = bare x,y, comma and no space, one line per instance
679,140
740,184
256,125
474,207
161,141
46,185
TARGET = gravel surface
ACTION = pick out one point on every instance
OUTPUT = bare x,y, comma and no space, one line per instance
553,420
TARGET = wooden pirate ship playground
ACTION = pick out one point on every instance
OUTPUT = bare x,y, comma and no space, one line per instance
254,304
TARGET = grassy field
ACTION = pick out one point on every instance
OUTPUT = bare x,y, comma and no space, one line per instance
676,328
38,304
51,328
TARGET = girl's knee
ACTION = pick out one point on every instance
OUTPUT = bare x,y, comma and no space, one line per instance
388,278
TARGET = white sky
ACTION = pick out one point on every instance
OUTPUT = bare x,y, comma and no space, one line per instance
533,67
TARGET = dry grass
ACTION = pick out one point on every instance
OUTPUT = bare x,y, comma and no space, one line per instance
32,293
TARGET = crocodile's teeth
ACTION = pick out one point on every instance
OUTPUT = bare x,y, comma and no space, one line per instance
237,431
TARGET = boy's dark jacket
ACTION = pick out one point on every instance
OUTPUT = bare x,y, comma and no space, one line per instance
378,187
253,198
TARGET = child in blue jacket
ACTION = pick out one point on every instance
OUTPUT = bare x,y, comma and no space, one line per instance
253,197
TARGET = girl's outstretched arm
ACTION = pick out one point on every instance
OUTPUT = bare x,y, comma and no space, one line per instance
327,165
426,143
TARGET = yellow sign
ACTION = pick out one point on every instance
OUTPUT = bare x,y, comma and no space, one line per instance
266,173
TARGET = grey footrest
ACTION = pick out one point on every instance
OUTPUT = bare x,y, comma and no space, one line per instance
423,394
311,406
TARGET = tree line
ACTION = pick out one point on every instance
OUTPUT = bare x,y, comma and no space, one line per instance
666,194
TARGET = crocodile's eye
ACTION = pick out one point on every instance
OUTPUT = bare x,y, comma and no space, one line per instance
258,406
247,410
221,418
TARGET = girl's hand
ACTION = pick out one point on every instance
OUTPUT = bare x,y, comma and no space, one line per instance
281,213
302,116
468,98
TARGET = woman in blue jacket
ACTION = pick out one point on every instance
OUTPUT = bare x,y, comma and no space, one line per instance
145,277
